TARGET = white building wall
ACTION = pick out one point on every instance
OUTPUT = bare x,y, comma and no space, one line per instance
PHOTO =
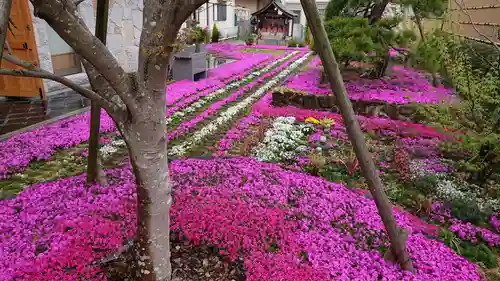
207,16
295,6
252,5
124,31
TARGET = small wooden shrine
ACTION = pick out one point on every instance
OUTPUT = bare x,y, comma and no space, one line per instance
274,22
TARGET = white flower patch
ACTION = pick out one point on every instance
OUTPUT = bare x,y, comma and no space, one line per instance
450,191
229,114
283,141
418,170
109,149
215,95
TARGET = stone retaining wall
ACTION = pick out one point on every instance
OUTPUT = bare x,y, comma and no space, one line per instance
286,97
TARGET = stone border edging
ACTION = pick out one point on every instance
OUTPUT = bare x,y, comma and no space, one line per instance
290,97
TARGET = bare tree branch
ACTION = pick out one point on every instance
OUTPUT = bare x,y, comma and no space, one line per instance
462,9
5,6
101,86
78,2
158,36
9,49
33,71
63,17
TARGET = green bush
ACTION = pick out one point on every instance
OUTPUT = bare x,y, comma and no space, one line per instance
482,56
292,43
480,253
479,90
215,34
352,39
250,40
307,35
467,210
426,184
473,70
197,34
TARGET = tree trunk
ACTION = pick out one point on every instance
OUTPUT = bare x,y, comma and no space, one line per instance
381,67
418,20
94,167
377,11
420,28
5,6
375,15
355,134
148,155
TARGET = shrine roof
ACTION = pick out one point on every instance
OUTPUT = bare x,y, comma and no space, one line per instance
278,5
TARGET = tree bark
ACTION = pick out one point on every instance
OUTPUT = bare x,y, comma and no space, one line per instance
94,169
375,15
137,105
377,11
419,25
418,20
147,146
5,6
355,134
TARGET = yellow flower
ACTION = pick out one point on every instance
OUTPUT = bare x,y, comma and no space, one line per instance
312,120
327,122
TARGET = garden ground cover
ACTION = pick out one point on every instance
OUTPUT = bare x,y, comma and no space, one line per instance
417,172
404,85
278,213
40,144
290,226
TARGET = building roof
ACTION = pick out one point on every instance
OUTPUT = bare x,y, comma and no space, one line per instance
279,6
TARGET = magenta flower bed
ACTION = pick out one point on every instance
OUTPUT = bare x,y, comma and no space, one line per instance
183,89
213,109
236,133
53,231
401,128
230,69
404,86
187,126
246,60
234,50
17,152
465,230
279,48
40,144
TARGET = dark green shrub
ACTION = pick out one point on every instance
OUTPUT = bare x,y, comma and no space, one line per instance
215,34
292,43
468,211
426,184
250,40
479,253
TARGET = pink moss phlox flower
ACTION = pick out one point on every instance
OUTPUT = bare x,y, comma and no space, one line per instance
17,152
53,231
401,128
403,86
214,108
495,222
185,88
470,232
236,133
